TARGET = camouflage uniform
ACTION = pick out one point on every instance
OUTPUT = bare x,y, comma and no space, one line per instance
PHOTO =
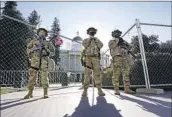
91,57
33,53
121,64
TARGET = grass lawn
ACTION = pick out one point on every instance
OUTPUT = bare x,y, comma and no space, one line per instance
5,90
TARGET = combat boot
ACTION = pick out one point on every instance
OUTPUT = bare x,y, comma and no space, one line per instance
116,91
45,92
29,95
84,94
81,88
100,92
128,90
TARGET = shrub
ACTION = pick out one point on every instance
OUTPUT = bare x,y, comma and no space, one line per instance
159,69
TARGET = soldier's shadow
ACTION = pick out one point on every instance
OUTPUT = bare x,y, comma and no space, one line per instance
101,109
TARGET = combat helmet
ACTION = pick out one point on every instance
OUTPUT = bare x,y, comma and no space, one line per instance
39,29
91,30
116,33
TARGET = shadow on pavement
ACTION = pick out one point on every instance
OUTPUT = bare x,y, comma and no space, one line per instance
58,88
19,99
101,109
5,103
157,109
63,93
20,103
157,101
166,95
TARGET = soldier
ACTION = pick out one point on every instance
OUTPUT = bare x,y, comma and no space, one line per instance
92,46
33,52
119,50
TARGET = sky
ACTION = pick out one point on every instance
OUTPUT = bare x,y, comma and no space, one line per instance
104,16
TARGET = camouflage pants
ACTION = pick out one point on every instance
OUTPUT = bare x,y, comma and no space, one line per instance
120,65
43,74
95,63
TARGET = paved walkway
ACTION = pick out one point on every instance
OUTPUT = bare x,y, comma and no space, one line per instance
67,102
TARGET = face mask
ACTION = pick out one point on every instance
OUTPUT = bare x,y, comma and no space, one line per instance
41,33
92,33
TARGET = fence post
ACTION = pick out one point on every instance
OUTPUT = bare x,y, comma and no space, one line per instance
142,52
0,9
144,63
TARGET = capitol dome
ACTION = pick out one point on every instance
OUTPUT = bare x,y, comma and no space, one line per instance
77,38
75,45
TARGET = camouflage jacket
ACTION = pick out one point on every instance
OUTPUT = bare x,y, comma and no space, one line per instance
33,48
118,50
92,46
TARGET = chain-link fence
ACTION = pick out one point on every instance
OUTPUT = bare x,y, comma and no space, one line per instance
14,68
12,78
152,68
14,64
62,78
153,47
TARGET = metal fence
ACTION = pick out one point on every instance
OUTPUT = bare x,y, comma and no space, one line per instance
153,46
152,68
19,79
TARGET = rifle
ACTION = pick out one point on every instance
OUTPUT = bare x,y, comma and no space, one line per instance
125,46
40,51
40,47
84,64
132,54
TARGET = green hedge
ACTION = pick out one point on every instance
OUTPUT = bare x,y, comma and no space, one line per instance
159,68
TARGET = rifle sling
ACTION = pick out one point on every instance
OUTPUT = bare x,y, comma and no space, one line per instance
34,68
88,67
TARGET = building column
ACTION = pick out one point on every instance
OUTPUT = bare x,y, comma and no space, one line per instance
75,61
69,62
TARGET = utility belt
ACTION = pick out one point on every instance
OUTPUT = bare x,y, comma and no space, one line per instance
119,55
35,68
91,55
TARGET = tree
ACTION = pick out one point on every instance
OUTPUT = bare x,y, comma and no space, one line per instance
166,47
13,36
33,19
10,9
54,34
150,43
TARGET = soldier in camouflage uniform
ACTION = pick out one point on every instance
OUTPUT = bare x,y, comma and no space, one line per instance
91,53
119,50
33,52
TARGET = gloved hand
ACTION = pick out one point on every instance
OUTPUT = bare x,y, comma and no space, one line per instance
45,52
33,49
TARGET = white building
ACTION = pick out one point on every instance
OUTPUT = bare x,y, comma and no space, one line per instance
71,59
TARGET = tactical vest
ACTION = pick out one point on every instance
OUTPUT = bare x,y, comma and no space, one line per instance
36,51
92,49
120,49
